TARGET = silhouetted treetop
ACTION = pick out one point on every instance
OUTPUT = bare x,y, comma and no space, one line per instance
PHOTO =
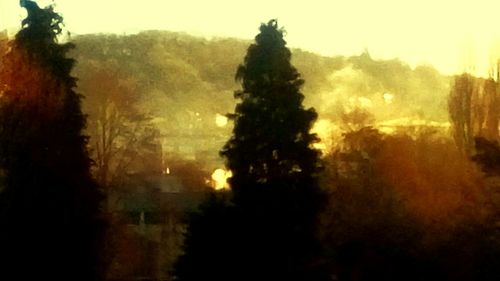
38,85
268,60
269,226
271,142
50,205
38,38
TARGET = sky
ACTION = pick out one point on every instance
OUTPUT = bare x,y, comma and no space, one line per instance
449,34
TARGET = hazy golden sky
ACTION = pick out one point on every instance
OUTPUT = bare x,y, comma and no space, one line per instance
450,34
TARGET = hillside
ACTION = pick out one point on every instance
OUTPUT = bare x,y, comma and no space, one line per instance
182,82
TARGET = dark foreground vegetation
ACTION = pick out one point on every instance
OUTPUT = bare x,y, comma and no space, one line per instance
134,200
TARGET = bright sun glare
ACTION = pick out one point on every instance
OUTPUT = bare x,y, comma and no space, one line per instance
388,98
219,178
325,129
220,120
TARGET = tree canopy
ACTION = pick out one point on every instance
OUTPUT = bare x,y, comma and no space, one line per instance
49,206
271,143
266,230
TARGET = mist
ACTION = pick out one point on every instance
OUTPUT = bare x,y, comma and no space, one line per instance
163,155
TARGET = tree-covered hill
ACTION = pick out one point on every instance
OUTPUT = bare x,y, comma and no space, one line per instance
190,68
181,82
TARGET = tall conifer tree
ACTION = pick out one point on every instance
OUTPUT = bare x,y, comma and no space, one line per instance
271,146
49,204
267,232
273,161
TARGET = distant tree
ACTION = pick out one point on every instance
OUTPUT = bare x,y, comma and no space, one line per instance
50,206
365,230
473,110
274,184
356,119
459,105
189,172
116,122
487,155
3,42
379,224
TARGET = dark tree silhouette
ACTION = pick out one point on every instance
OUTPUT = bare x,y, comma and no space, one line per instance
49,204
211,249
459,106
487,155
472,108
271,143
271,156
269,228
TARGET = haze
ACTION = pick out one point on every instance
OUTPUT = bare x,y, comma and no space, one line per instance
447,34
160,141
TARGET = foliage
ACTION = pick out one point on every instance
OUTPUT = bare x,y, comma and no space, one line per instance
409,208
473,110
117,124
175,76
487,155
269,227
49,208
211,249
270,155
190,173
271,144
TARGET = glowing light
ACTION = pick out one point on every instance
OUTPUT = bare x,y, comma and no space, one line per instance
219,178
387,130
220,120
388,98
365,102
361,102
325,129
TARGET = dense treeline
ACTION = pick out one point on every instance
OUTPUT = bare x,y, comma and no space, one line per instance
172,85
175,76
405,206
408,208
182,67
